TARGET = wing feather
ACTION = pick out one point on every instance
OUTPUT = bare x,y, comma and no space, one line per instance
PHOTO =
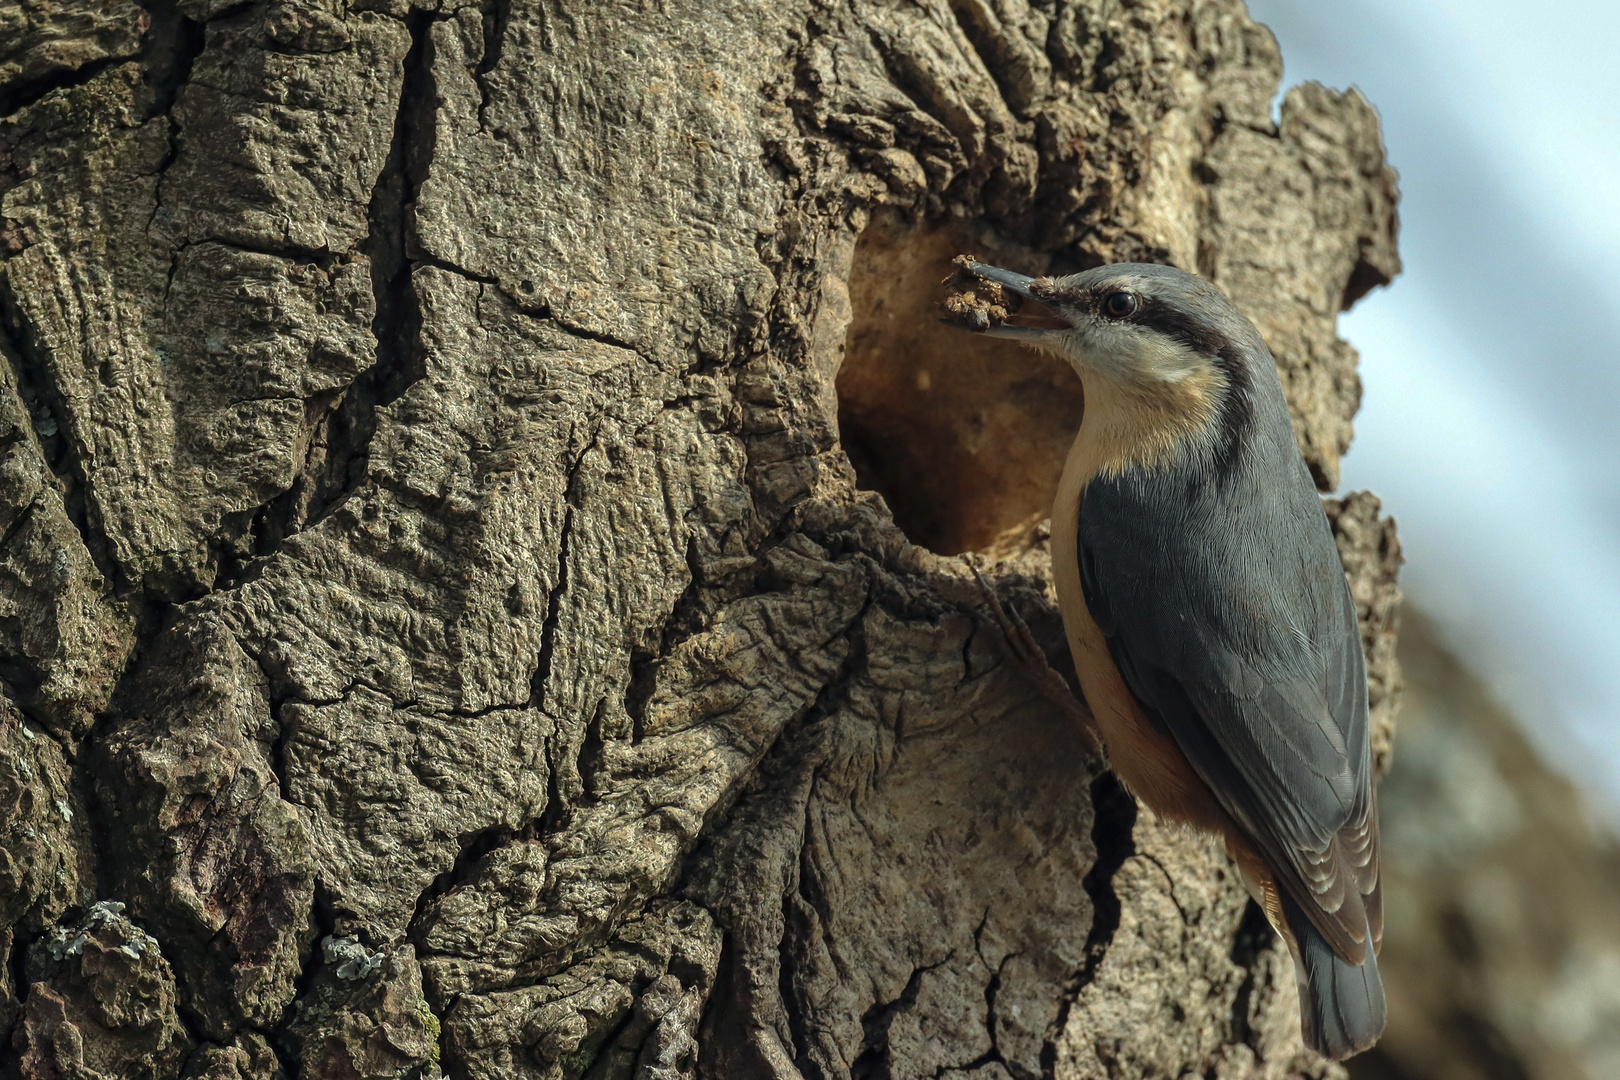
1251,661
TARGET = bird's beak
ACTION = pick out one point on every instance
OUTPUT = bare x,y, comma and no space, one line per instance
1033,320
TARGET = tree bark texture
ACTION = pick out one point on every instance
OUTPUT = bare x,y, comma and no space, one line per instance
440,625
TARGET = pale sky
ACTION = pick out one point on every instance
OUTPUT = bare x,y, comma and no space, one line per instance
1490,422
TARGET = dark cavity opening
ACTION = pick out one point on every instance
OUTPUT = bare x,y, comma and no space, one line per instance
964,436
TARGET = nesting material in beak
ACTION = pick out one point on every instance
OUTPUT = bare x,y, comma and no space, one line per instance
998,303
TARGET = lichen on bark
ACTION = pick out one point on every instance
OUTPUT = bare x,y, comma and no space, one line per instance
431,524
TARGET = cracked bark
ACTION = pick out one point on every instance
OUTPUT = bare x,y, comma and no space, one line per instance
478,486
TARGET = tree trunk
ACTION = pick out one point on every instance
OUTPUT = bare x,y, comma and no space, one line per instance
441,627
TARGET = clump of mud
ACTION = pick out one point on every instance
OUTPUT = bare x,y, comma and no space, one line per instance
974,303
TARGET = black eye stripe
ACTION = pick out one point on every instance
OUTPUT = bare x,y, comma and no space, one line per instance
1153,313
1182,327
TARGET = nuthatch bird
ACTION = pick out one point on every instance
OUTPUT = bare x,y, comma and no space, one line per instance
1208,615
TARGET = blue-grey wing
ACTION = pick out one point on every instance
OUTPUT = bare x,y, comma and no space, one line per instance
1249,656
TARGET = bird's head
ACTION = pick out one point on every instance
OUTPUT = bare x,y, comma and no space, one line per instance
1172,371
1137,325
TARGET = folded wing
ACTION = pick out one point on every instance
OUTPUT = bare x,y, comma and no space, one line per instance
1251,661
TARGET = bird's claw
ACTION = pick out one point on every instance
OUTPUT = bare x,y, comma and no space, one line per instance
1031,659
1021,642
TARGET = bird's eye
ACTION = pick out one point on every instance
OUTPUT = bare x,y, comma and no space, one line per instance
1120,305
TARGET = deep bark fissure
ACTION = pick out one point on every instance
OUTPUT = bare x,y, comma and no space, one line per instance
277,757
51,420
795,935
556,813
611,1041
991,989
797,731
323,921
496,15
548,628
17,964
1254,936
472,849
1101,79
1169,884
290,250
681,624
276,519
20,95
588,762
834,691
171,46
1112,836
799,902
391,247
543,313
190,1021
804,895
15,669
422,258
101,823
34,724
873,1063
968,674
172,43
285,1058
559,588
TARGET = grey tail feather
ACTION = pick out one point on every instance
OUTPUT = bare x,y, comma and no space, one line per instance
1341,1006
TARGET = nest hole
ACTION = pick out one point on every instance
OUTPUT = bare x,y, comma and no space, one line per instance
964,436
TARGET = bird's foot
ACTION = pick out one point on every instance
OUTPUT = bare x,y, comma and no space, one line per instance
1027,653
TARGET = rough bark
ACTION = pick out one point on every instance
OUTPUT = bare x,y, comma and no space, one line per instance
435,598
